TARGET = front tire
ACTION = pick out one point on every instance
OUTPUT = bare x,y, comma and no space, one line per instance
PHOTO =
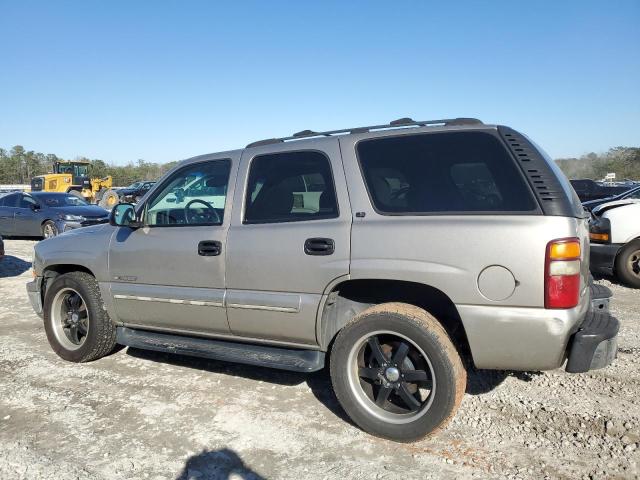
396,372
77,325
49,229
628,264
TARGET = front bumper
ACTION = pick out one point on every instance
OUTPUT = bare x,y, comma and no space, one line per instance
34,291
595,343
602,257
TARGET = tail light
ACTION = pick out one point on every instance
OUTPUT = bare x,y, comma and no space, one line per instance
562,273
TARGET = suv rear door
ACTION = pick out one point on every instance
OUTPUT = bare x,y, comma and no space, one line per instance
289,241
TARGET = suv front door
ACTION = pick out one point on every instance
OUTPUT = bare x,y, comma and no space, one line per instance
170,273
289,242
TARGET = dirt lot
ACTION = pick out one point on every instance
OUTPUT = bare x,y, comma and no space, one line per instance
144,415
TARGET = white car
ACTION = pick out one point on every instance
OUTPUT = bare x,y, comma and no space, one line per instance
615,240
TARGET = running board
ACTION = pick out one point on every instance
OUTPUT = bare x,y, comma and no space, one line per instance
296,360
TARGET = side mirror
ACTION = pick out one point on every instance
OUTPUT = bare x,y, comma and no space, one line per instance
35,207
124,215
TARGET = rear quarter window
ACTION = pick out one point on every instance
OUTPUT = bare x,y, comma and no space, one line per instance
452,172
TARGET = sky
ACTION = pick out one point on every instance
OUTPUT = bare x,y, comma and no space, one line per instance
167,80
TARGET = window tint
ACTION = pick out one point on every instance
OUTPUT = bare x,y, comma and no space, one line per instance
26,201
194,195
60,200
290,187
447,172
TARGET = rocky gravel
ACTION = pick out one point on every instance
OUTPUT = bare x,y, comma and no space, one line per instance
143,415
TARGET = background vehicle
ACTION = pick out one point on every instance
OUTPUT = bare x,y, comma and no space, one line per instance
615,240
134,192
40,214
633,193
398,250
591,190
72,177
1,248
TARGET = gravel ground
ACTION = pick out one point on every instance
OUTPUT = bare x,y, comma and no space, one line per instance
136,415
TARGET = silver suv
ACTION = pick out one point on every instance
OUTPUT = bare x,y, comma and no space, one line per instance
399,255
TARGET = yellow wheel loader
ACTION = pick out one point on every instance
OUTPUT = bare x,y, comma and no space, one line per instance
72,177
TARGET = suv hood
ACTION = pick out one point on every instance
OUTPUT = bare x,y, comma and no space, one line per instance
599,210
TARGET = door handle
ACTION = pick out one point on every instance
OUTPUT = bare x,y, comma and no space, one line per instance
319,246
209,248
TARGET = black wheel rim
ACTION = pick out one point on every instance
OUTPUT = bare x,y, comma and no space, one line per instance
392,377
70,318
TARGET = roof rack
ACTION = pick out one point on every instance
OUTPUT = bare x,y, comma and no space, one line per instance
399,123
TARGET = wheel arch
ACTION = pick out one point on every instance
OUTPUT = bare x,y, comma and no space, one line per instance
350,297
50,272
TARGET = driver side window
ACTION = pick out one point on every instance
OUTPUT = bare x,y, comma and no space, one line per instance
194,195
26,202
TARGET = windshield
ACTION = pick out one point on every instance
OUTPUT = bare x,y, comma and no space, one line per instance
75,170
61,200
134,185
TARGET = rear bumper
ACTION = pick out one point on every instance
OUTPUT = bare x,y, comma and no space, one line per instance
34,291
602,257
594,345
517,338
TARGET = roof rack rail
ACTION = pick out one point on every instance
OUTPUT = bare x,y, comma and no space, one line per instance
399,123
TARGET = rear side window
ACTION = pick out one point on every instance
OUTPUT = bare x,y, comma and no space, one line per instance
290,187
457,172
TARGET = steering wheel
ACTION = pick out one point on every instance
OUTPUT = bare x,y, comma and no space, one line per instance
211,212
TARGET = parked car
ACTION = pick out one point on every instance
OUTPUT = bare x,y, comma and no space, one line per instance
588,190
1,248
134,192
615,240
40,214
389,253
633,193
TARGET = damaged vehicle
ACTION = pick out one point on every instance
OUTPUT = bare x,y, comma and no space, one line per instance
394,255
614,231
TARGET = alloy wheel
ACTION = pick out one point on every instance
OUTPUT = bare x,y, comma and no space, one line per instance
391,377
70,318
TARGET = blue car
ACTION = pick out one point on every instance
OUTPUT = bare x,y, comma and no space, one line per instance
42,214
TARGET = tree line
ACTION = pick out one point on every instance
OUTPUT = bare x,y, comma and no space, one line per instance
623,161
18,166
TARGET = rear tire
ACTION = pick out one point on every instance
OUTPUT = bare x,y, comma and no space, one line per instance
627,264
410,391
76,323
109,199
49,229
